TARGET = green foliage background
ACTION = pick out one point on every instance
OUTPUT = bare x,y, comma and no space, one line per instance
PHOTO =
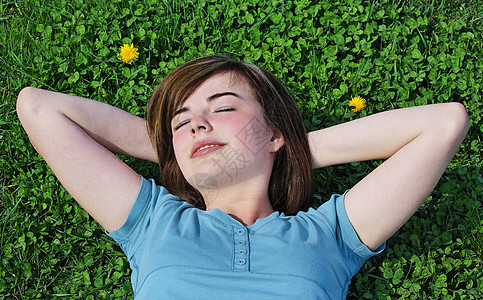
394,53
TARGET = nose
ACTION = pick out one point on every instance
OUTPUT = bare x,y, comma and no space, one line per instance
199,124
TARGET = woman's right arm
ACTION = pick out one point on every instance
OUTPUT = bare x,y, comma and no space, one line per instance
77,138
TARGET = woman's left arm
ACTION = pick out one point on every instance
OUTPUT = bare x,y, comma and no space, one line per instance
418,143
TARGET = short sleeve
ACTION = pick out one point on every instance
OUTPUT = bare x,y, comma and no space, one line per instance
349,235
153,201
334,215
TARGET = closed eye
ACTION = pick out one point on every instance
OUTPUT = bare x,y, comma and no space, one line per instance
224,109
181,124
221,109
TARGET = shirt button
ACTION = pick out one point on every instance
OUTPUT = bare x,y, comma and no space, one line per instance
241,231
241,243
241,261
243,251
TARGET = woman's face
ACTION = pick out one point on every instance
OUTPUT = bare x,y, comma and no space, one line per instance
219,133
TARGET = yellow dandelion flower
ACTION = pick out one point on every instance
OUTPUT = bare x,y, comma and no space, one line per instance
358,103
128,53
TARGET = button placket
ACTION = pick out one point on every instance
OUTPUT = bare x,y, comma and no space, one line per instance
241,249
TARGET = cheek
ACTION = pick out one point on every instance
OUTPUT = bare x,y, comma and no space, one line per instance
176,140
235,122
179,145
254,135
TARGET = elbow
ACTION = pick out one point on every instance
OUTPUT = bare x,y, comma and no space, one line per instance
455,121
24,100
461,120
27,103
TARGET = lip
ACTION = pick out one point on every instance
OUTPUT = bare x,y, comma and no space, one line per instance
196,152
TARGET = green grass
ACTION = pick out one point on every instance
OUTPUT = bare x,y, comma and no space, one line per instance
393,53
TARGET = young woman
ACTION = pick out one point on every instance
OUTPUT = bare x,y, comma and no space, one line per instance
232,219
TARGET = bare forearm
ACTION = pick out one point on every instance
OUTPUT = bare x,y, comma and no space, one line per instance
417,143
378,136
115,129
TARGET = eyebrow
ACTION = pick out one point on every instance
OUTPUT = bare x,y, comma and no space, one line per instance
210,99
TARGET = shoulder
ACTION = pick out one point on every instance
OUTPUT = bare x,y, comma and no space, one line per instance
152,202
332,217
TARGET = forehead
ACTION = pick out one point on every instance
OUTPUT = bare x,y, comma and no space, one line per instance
220,83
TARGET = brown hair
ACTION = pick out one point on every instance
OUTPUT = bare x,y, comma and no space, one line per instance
290,186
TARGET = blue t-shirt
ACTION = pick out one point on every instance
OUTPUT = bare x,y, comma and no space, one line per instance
177,251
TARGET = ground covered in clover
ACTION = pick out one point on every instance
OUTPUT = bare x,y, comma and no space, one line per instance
342,60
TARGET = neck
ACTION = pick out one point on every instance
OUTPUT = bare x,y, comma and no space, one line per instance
245,201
